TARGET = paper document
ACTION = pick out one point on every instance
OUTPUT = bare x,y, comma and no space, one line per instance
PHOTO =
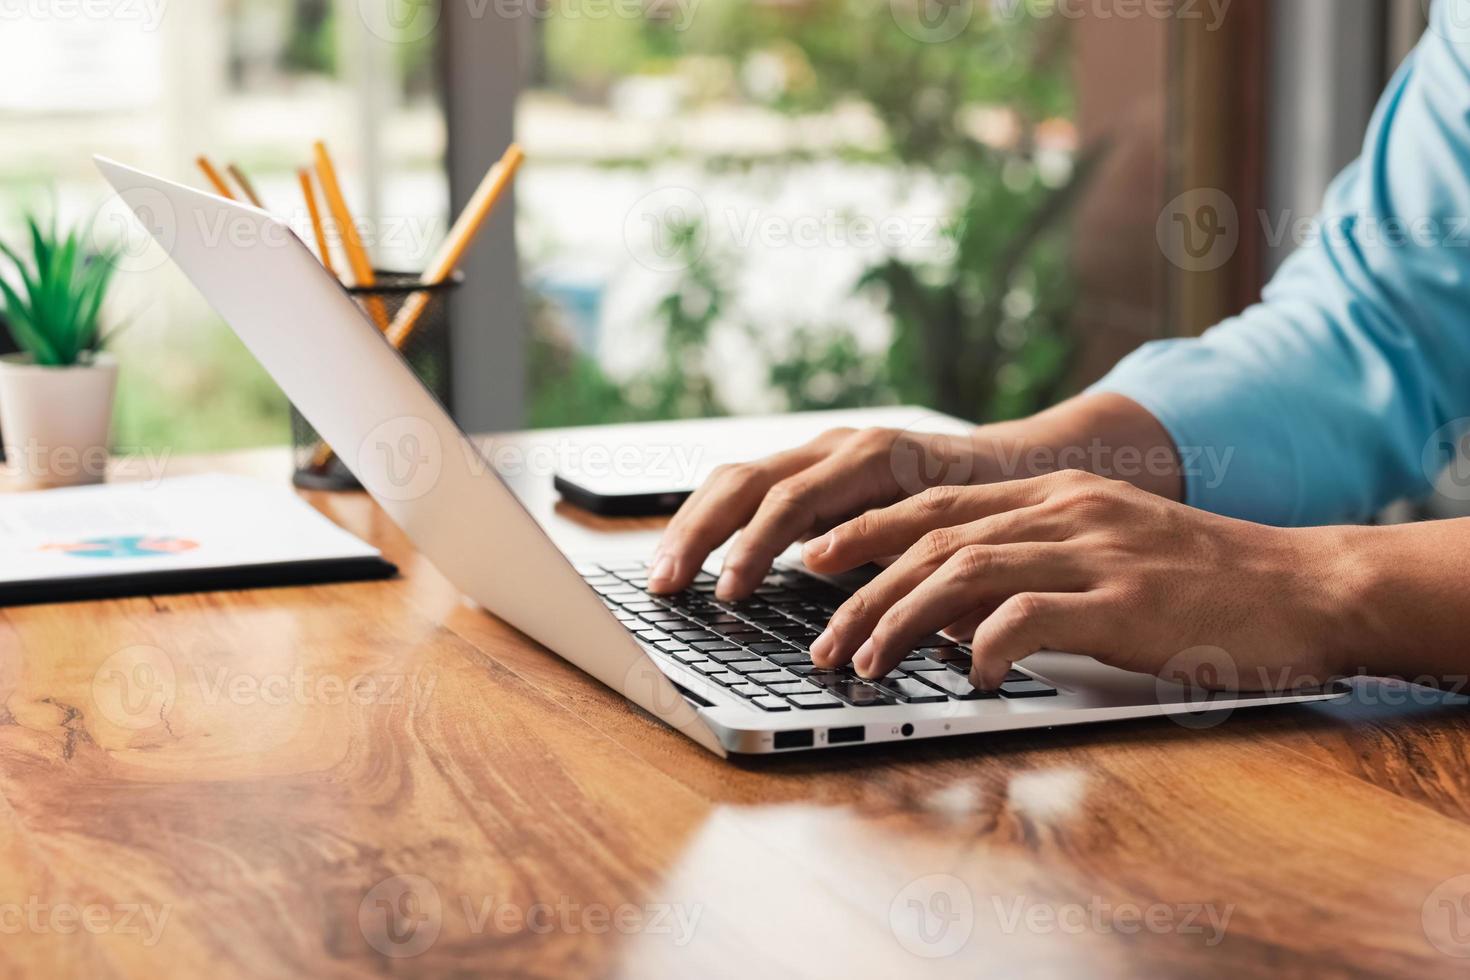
175,525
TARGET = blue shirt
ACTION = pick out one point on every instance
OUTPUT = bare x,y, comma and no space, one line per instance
1344,389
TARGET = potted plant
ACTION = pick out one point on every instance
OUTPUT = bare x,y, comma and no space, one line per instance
56,395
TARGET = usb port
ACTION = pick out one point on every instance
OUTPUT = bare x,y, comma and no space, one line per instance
800,739
840,736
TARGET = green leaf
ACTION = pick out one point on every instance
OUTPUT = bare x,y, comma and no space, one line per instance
55,311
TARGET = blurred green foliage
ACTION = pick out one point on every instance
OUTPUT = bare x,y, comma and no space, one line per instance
981,332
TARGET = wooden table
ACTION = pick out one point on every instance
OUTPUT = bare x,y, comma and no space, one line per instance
376,778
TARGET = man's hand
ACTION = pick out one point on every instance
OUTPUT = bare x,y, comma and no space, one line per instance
789,496
1078,563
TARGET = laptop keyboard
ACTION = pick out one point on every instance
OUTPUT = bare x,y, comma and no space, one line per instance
757,647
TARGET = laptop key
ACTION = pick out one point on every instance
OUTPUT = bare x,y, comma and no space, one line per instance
788,658
920,666
731,656
792,687
712,645
770,647
769,702
912,691
956,686
748,690
751,666
1026,689
853,690
769,677
816,699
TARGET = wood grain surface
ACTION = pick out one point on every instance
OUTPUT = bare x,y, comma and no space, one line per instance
378,779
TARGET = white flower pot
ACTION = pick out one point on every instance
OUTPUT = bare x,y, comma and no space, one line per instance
55,420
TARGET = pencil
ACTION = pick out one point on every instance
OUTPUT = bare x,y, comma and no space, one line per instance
220,187
245,185
357,257
466,227
304,175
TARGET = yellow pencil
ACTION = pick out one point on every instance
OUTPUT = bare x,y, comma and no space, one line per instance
315,212
358,262
466,227
220,187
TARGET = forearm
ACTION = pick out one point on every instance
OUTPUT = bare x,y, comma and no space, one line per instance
1403,599
1105,434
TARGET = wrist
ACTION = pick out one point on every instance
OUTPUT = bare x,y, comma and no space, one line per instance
1105,434
1341,577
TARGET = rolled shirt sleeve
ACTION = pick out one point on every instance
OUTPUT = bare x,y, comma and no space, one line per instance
1335,395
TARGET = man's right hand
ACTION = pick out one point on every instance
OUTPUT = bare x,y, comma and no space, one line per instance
793,495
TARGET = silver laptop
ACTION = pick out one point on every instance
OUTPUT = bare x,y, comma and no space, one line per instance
735,677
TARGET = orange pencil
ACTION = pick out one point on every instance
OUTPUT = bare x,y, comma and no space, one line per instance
317,230
220,187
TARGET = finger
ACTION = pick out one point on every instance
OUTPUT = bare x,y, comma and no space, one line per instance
815,498
972,575
964,627
719,508
854,620
1028,622
894,529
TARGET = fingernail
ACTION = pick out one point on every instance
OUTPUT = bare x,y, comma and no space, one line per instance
817,547
862,661
725,587
821,647
663,571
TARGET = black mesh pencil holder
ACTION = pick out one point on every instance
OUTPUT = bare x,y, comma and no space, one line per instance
397,301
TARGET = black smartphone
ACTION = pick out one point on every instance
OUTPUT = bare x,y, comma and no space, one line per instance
618,497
